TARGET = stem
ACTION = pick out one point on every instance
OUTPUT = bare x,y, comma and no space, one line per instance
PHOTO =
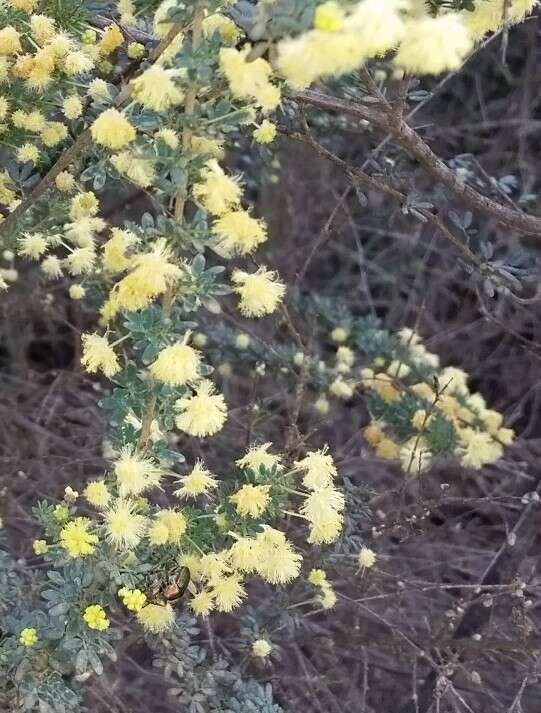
189,105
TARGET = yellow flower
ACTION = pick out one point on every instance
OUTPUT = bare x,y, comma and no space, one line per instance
98,90
112,130
28,637
95,617
261,648
133,599
197,482
238,232
124,526
98,354
75,538
260,292
317,577
214,565
81,260
319,469
77,292
432,45
327,597
175,522
158,533
258,456
156,618
53,133
265,133
162,27
277,561
32,245
10,42
24,5
366,558
156,89
243,554
77,63
329,17
228,593
28,152
42,28
323,509
205,145
387,449
72,107
52,267
169,137
378,25
477,448
135,473
202,414
111,39
114,250
217,192
176,365
97,494
40,547
251,500
65,182
202,603
227,29
339,335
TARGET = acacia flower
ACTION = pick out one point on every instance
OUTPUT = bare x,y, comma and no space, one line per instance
265,132
202,414
95,618
237,232
277,561
99,354
366,558
124,526
136,473
176,365
228,592
261,648
112,130
40,547
202,603
258,456
251,500
198,482
318,467
217,192
260,292
97,494
156,618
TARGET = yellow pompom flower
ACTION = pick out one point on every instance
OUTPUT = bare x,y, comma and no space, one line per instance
432,45
277,561
97,494
52,267
198,482
319,469
123,525
329,17
175,522
28,152
327,597
258,456
162,26
28,637
202,603
217,192
98,90
65,182
202,414
176,365
214,565
133,599
61,513
366,558
317,577
205,145
227,29
96,618
158,533
240,233
32,245
140,171
156,618
156,89
251,500
169,137
135,473
98,354
76,292
114,250
477,448
40,547
261,648
379,26
112,130
24,5
260,292
72,107
265,132
10,41
111,40
323,508
151,275
243,554
42,28
228,593
76,539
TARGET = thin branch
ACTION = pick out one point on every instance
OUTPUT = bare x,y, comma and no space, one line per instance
407,138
